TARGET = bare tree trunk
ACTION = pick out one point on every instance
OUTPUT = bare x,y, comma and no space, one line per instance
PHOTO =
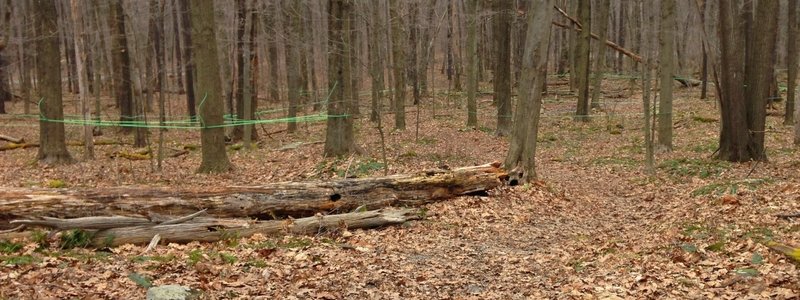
621,33
427,39
121,62
5,89
600,60
339,134
734,136
646,39
791,62
667,67
472,62
270,24
398,49
502,68
761,67
188,59
376,62
52,149
83,90
704,72
240,61
250,67
522,151
157,39
214,158
582,50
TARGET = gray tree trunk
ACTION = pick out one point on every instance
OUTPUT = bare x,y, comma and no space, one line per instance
791,62
502,68
472,62
212,135
600,59
582,50
398,50
52,147
339,134
667,67
521,152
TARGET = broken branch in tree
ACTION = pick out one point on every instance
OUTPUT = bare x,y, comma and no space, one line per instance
611,44
268,201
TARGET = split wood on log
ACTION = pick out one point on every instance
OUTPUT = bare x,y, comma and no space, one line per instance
268,201
211,230
11,139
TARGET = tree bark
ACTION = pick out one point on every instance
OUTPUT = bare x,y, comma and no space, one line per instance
80,68
734,136
398,49
376,62
600,60
339,133
294,80
188,59
122,62
214,158
472,62
269,201
53,149
791,62
761,66
667,65
502,68
5,89
521,153
582,50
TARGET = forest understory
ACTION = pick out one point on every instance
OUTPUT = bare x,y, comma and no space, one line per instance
594,226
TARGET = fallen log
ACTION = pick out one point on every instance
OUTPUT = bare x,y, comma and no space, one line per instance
24,145
211,230
269,201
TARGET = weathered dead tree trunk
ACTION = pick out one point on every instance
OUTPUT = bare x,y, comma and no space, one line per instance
115,231
269,201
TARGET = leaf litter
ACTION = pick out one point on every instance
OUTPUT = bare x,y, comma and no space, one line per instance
594,226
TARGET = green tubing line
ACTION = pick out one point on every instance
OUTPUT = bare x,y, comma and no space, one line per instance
200,108
155,124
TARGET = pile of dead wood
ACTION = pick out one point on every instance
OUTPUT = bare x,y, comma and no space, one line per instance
137,215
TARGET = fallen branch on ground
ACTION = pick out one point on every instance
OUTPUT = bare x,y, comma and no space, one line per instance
788,215
12,146
212,230
141,154
296,145
178,153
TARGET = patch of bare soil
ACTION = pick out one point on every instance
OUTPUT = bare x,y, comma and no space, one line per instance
594,226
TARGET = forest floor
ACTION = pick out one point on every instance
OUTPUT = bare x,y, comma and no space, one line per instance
594,226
